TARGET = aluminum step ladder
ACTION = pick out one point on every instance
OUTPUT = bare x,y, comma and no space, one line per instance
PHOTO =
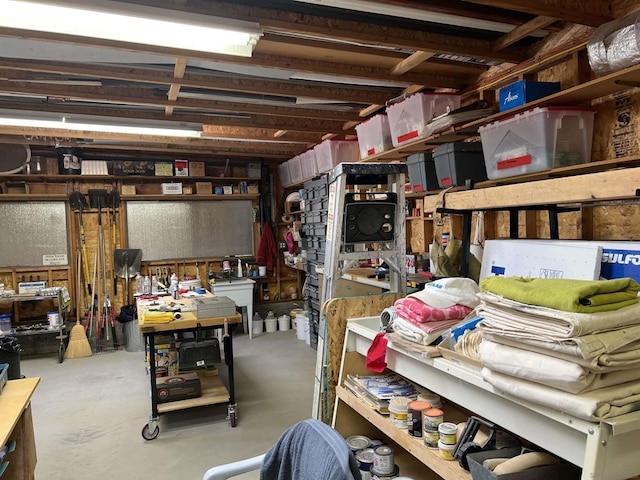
365,220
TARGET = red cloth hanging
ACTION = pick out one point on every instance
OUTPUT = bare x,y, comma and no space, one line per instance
267,250
376,360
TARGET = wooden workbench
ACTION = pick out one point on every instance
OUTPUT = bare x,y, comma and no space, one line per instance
16,424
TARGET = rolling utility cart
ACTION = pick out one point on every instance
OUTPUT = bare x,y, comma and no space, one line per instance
213,389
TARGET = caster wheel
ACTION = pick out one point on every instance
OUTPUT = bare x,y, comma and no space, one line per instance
232,419
150,435
61,350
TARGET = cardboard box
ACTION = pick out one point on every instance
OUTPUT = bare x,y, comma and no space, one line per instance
525,91
218,306
182,168
180,387
619,258
187,189
128,189
133,167
542,259
13,188
196,169
204,188
51,167
560,471
253,189
172,188
227,189
164,169
254,170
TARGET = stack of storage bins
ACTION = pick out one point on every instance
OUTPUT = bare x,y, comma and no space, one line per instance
314,227
330,153
374,136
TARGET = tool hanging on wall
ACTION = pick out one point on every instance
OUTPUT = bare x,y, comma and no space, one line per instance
78,202
114,202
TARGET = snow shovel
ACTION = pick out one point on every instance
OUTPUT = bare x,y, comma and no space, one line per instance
126,263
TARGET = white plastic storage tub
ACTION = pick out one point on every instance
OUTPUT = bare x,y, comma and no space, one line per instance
295,170
309,165
538,139
408,118
283,174
330,153
374,136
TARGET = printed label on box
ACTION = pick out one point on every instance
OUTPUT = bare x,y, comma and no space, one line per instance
55,259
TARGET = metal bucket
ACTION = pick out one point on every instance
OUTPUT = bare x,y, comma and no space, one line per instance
133,338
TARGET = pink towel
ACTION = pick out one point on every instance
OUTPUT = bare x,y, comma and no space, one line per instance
422,312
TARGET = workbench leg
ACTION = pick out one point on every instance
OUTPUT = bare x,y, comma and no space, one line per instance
232,409
151,430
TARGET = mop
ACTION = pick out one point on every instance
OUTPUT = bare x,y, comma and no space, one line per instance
78,343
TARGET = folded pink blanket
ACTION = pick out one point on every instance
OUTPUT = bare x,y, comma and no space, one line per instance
421,312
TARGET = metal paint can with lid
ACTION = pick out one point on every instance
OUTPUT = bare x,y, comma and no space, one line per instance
375,475
383,462
414,417
358,442
364,458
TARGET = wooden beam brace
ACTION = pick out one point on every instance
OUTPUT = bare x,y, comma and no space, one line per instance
586,12
522,31
174,89
209,81
294,125
142,96
411,62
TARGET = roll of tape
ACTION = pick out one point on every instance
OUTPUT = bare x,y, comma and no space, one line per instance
288,218
177,315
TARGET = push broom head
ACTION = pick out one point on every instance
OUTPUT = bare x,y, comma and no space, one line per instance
78,346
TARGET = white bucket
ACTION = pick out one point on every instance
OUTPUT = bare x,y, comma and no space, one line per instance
271,325
256,327
283,323
307,333
54,319
302,324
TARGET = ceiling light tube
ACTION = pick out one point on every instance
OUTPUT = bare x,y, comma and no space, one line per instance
90,127
129,23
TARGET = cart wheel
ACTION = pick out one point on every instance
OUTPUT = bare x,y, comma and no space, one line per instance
148,435
61,350
232,419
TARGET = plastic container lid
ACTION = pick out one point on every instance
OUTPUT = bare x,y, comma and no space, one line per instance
419,405
434,412
399,404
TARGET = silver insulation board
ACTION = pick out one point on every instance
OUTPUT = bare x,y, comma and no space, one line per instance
192,229
31,232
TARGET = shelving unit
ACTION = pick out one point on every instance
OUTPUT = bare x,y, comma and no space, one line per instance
604,450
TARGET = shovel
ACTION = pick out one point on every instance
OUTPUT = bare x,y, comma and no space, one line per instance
126,263
78,202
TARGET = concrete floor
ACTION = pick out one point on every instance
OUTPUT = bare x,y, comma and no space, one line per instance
88,413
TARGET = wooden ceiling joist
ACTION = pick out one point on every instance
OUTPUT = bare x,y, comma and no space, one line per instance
585,12
174,89
411,62
522,31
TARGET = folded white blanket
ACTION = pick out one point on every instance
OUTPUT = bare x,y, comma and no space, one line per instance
595,405
416,334
622,360
557,323
547,370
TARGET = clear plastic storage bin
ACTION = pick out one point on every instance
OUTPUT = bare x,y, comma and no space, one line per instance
538,139
309,165
332,152
295,170
284,175
408,119
374,136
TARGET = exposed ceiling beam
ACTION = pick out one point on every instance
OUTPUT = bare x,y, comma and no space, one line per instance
411,62
142,96
294,125
174,89
230,145
361,32
233,83
522,31
585,12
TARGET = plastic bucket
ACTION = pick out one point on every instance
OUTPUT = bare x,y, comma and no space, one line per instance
302,325
284,323
133,338
271,325
5,323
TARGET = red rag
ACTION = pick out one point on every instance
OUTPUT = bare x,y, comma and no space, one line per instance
376,355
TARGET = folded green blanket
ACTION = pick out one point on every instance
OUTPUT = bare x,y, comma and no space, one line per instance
581,296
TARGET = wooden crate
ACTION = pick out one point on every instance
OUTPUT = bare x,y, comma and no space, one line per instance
128,189
48,188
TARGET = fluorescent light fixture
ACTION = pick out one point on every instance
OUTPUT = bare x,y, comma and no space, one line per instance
90,127
122,22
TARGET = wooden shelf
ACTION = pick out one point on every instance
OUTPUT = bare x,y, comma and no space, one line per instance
190,197
213,392
129,178
34,197
600,87
428,456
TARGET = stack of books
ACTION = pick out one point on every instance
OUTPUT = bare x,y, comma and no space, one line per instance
377,390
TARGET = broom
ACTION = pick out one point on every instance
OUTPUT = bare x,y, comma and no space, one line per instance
78,343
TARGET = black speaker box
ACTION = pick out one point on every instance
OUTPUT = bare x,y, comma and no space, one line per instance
369,220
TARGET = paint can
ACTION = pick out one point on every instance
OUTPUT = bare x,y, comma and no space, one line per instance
398,411
448,433
364,458
383,460
375,475
358,442
54,319
414,417
432,418
431,438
